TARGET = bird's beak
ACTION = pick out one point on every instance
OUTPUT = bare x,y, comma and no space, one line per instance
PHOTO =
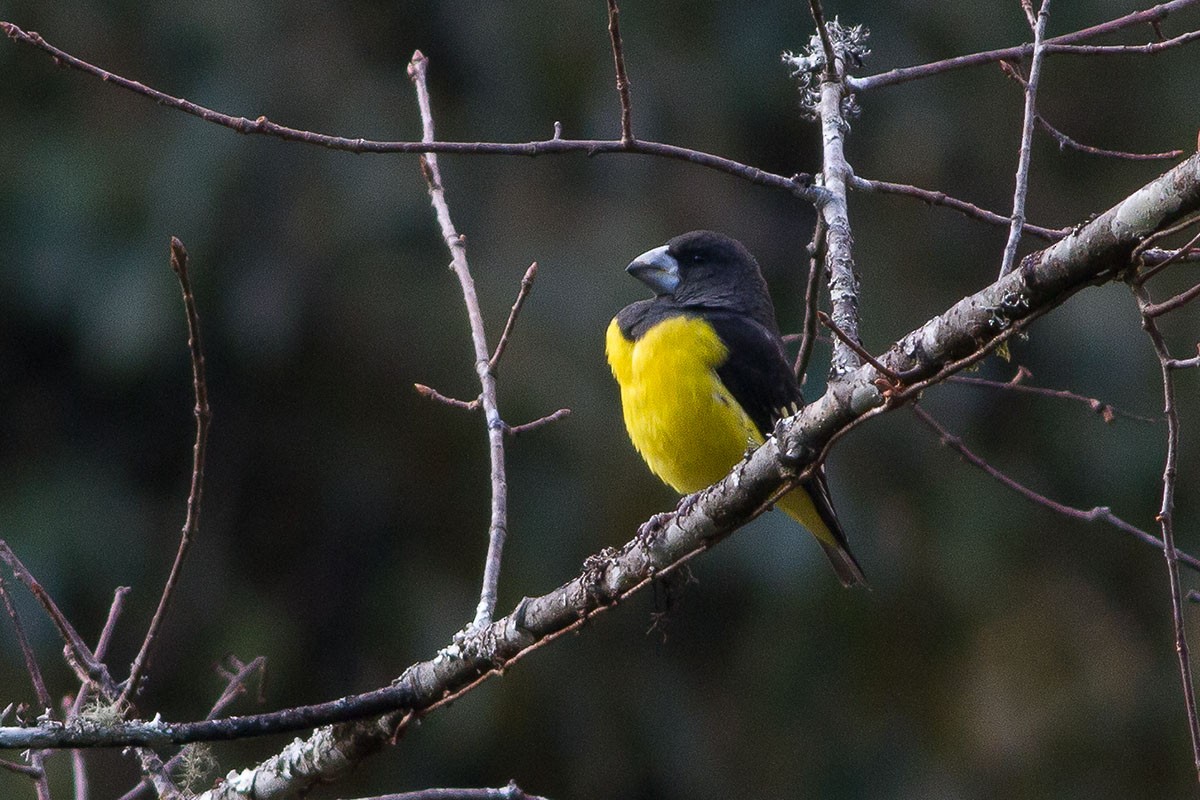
658,269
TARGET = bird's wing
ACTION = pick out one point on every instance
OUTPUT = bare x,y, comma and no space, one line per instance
756,372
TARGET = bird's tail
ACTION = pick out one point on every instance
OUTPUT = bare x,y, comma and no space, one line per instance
810,505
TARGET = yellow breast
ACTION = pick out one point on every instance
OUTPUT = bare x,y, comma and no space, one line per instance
679,415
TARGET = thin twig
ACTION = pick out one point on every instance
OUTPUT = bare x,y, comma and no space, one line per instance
1124,49
509,792
498,526
21,769
1184,255
1065,142
517,430
1096,514
430,393
1175,303
79,656
1022,180
31,666
1107,411
1176,255
235,685
1184,363
1021,51
1166,518
862,352
79,779
191,523
614,36
798,185
1138,256
36,758
110,624
963,207
522,293
808,336
84,663
818,15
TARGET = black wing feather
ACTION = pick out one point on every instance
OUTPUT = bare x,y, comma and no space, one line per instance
757,372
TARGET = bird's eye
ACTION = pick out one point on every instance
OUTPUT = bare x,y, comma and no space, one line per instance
697,258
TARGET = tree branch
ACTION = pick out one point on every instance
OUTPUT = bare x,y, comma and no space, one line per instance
1107,411
1095,514
808,335
1022,180
191,524
942,199
498,526
614,35
904,74
1066,142
1166,517
509,792
522,293
799,185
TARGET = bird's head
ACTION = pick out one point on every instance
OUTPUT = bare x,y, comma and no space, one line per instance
704,269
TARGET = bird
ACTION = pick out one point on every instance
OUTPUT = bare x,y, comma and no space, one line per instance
704,376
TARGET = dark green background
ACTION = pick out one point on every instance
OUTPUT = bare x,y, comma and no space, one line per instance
1003,652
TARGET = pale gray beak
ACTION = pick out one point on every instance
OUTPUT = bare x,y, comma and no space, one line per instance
658,269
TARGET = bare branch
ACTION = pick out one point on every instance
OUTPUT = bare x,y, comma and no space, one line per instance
191,524
509,792
861,351
1026,153
87,668
1096,514
1186,363
1166,517
22,769
433,394
799,185
31,665
831,110
1185,253
808,336
517,430
1021,51
1107,411
961,206
1175,303
818,15
1141,255
1124,49
498,526
522,293
79,779
614,35
1066,142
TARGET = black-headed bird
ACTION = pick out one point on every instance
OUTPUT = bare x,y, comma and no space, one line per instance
704,376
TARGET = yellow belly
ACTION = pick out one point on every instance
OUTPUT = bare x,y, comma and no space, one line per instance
679,415
681,418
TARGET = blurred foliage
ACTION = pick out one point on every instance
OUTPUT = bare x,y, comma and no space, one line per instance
1004,652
